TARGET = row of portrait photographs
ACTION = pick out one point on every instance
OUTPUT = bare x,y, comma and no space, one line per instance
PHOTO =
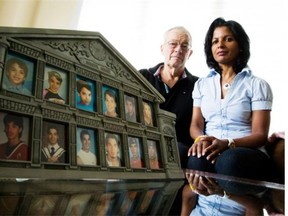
18,77
14,139
81,204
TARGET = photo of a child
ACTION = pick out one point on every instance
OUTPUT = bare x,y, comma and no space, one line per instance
18,75
55,86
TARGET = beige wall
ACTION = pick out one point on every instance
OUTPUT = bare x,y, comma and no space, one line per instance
56,14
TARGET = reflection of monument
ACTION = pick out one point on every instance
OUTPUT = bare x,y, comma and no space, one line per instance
89,56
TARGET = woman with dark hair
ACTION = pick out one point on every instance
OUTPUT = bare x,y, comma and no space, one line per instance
231,115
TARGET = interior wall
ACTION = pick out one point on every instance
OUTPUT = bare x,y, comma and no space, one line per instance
55,14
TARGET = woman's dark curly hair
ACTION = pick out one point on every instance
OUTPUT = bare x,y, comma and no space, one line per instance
240,36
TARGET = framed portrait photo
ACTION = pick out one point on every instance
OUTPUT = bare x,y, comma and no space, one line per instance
14,129
131,108
135,152
54,143
148,113
85,94
110,101
18,74
113,150
86,147
154,154
55,85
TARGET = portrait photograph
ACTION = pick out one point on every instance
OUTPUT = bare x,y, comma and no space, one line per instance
130,108
86,147
54,143
110,101
148,113
55,85
154,154
113,150
18,74
135,152
85,94
14,131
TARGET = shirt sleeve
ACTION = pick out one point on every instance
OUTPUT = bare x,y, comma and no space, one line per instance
196,94
262,95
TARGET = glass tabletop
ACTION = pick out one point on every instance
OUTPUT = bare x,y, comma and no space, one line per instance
251,194
122,197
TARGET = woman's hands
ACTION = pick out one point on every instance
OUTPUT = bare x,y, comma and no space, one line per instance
208,146
203,185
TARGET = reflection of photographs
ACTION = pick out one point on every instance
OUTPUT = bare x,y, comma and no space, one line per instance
53,148
126,205
14,137
135,153
55,86
85,96
104,203
130,108
153,153
86,147
110,101
9,204
18,76
148,114
113,150
146,202
43,205
77,204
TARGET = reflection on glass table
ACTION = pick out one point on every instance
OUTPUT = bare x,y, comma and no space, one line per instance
87,197
210,193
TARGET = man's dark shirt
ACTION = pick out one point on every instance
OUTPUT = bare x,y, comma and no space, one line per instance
178,100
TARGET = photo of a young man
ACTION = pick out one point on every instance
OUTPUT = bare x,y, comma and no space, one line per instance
113,150
110,101
14,137
135,153
130,108
86,147
54,139
85,95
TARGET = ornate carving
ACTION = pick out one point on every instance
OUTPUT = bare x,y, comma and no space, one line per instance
170,150
88,122
17,106
56,115
168,130
24,49
58,62
153,136
113,127
88,74
134,131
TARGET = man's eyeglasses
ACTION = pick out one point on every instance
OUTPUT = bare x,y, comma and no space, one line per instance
184,46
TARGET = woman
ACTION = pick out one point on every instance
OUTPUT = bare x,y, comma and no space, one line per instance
231,110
